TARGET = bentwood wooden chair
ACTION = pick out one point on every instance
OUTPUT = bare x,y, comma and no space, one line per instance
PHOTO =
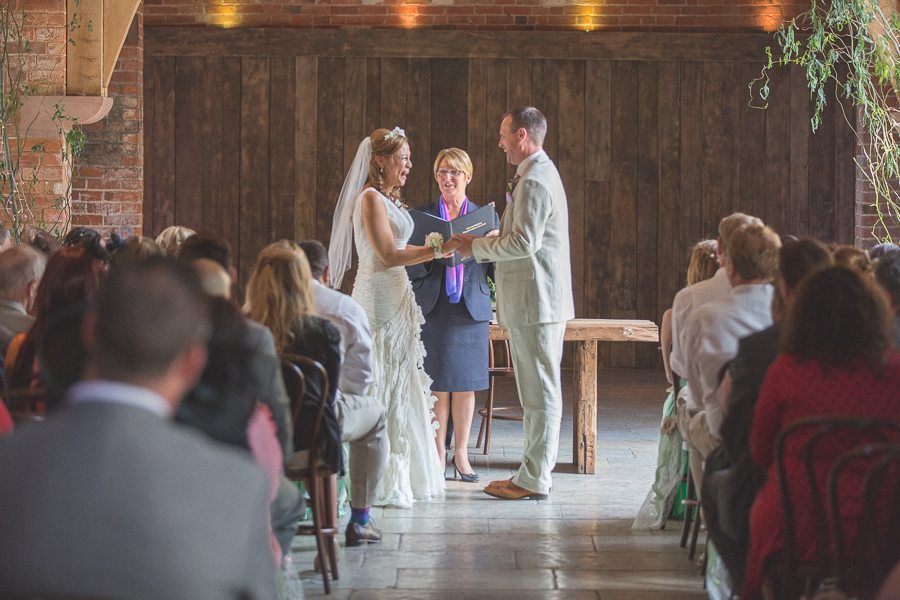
501,368
864,517
306,466
816,443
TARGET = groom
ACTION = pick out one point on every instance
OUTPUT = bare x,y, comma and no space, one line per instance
534,297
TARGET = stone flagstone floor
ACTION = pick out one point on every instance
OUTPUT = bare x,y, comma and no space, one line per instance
576,545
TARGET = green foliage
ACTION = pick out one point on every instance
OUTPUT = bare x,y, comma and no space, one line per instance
18,185
855,45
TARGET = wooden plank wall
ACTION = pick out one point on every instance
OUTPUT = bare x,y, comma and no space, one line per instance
652,134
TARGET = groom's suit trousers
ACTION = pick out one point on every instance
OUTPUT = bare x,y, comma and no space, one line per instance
536,354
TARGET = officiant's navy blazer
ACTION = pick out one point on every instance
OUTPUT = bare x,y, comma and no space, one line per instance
427,279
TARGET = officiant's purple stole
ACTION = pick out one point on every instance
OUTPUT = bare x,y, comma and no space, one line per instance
454,285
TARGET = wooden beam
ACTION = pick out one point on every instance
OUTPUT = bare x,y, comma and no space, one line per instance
36,116
572,45
117,18
84,58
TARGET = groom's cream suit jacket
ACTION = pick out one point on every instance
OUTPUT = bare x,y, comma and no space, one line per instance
534,278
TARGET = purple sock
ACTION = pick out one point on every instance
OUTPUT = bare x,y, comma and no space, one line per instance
360,516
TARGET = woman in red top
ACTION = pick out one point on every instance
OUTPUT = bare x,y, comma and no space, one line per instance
836,361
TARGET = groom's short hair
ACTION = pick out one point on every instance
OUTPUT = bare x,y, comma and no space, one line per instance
531,120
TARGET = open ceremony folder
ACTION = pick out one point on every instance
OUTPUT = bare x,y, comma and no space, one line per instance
477,222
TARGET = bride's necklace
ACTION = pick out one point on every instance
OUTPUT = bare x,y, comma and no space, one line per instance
396,201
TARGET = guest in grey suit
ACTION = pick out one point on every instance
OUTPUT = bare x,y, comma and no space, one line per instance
107,498
534,294
21,269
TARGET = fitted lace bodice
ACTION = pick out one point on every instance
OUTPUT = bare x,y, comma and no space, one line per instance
377,286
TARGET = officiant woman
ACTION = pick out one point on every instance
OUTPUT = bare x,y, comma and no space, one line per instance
456,302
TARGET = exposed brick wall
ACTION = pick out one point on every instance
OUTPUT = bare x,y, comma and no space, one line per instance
479,14
43,176
109,176
44,26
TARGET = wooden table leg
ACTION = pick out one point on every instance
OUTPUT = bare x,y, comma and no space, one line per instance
584,426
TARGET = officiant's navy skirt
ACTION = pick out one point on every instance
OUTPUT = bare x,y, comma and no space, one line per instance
456,347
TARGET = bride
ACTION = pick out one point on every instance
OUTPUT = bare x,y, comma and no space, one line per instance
369,213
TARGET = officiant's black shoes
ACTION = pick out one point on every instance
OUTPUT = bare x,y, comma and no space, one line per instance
467,477
357,534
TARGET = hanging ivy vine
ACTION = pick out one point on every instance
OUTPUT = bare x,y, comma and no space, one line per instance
854,44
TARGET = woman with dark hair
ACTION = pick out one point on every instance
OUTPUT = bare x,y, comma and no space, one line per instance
836,361
51,352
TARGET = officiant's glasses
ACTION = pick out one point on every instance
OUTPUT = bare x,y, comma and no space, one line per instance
448,173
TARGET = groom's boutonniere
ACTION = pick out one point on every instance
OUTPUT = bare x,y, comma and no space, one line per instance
510,186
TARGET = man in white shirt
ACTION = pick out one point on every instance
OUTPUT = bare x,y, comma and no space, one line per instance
714,289
712,332
360,414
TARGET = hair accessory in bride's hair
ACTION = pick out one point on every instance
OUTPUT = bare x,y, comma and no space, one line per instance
396,131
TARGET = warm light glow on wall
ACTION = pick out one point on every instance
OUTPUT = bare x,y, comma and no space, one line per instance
408,14
767,17
585,19
223,16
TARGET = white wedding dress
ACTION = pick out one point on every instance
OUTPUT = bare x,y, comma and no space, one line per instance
413,470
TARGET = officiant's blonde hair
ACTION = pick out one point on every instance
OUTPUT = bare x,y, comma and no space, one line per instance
279,292
456,158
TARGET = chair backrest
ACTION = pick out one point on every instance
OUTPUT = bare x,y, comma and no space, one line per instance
505,353
297,370
872,474
826,438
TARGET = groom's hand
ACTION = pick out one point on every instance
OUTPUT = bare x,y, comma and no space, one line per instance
465,243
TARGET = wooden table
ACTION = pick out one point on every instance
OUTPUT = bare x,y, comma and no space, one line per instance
585,333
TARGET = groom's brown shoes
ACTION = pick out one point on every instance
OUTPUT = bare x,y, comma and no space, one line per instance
505,489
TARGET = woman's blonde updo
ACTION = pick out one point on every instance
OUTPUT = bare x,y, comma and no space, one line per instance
385,142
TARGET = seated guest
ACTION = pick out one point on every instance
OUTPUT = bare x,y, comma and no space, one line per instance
887,274
359,414
878,251
91,241
136,247
712,332
6,239
21,269
206,244
130,506
731,481
210,256
210,246
714,289
279,296
836,361
223,403
853,258
669,466
70,282
171,238
41,240
242,369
